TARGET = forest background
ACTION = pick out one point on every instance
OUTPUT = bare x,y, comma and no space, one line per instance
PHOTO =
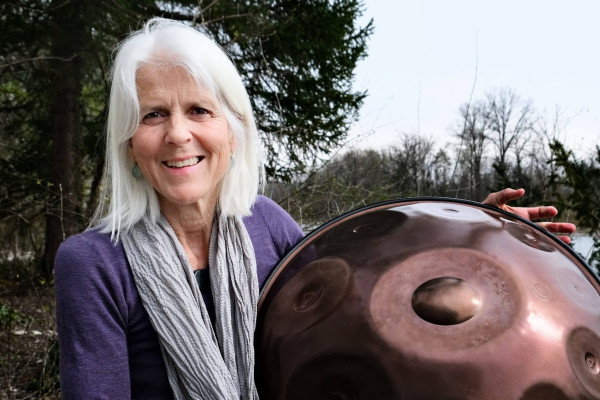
298,60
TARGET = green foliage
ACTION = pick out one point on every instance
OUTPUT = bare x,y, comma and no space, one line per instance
9,316
24,147
583,178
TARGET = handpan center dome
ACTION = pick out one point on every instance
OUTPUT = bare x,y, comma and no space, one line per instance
446,301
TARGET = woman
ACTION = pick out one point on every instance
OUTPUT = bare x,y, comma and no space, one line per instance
182,169
158,298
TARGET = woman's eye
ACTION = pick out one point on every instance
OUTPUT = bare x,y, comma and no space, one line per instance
199,111
152,115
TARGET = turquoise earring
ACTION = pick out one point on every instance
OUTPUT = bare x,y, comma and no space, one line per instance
135,171
231,161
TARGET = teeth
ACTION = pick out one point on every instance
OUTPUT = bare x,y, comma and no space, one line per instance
184,163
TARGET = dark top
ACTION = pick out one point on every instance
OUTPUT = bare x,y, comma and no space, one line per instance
108,349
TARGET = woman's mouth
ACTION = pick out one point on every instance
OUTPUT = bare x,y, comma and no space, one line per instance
183,163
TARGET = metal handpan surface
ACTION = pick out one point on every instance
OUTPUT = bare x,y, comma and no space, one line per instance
429,299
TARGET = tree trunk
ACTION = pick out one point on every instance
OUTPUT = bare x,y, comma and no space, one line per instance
67,45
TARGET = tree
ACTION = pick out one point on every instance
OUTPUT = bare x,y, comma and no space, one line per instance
411,164
583,179
68,41
24,145
441,174
548,129
296,57
473,129
510,125
348,181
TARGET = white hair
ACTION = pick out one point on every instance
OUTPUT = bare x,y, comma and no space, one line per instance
126,199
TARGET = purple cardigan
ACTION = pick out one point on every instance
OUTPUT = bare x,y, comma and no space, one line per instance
108,349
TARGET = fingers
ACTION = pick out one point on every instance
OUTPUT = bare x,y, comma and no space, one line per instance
565,239
512,194
541,212
558,227
499,199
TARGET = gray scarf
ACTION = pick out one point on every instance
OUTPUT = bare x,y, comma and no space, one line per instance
202,363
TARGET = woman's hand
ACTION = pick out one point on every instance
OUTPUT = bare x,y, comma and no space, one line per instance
499,199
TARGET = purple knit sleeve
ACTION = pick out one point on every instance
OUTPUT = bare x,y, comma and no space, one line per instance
273,233
91,313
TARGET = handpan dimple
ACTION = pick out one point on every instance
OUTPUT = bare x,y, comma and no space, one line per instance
310,295
583,348
338,377
368,227
529,236
544,391
447,211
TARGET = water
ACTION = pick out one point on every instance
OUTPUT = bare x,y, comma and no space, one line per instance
583,245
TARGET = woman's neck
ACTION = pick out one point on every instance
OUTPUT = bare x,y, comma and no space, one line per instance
192,226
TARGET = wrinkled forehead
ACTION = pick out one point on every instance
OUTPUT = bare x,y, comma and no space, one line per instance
166,66
157,84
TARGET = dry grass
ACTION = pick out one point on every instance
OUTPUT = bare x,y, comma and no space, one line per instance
28,342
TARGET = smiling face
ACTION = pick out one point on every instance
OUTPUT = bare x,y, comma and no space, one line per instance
183,143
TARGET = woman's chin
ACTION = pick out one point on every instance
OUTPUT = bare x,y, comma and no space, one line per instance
188,200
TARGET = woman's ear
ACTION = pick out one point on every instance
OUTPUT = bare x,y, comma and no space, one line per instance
130,153
231,142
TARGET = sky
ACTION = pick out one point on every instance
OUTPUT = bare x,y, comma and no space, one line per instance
427,57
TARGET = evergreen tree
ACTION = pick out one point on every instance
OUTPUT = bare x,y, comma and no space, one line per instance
583,179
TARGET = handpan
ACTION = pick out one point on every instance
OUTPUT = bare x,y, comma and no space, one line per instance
429,298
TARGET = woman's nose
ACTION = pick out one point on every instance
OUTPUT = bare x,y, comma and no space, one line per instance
178,130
